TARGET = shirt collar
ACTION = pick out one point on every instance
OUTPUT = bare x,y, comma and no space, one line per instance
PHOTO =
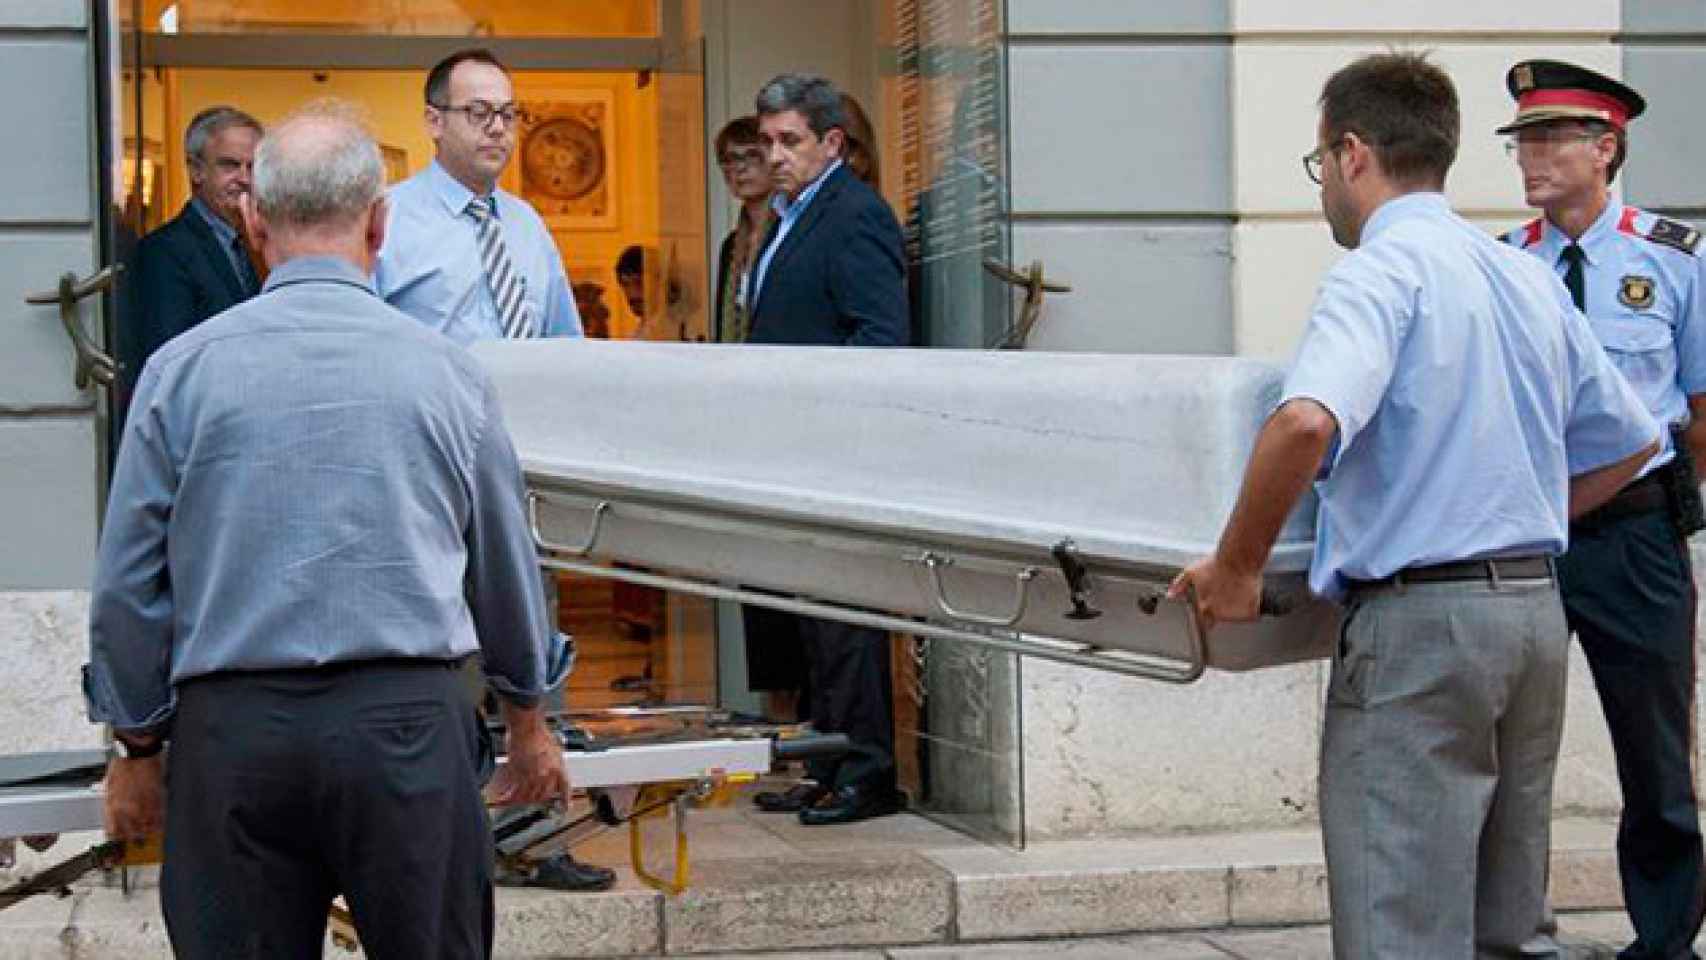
1602,229
317,268
1404,207
224,231
783,208
450,190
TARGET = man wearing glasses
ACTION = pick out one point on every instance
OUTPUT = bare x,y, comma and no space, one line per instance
462,256
477,263
1453,411
1627,583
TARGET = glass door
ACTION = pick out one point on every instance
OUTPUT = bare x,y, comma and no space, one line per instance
610,154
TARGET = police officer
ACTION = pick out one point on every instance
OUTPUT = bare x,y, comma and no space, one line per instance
1626,581
1456,411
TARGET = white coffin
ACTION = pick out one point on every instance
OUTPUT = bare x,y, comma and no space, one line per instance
899,485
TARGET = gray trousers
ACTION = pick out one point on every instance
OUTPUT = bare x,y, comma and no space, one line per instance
1444,714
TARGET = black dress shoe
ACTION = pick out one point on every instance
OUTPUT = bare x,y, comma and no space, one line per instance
854,803
797,797
561,872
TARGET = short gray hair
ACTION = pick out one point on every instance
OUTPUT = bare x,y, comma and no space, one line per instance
814,97
318,168
209,123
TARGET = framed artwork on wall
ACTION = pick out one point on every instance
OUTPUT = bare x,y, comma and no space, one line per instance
566,155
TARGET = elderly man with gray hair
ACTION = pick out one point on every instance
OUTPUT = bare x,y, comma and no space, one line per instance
316,517
197,264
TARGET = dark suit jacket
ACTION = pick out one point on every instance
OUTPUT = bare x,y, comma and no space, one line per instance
725,253
839,277
179,278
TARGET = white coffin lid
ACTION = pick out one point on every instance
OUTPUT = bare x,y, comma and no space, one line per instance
1136,458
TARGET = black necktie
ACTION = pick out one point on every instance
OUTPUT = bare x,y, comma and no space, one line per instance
245,267
1573,275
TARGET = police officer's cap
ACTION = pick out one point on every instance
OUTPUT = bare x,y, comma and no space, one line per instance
1547,90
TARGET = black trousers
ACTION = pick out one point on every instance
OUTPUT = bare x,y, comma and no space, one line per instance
285,788
1629,598
851,693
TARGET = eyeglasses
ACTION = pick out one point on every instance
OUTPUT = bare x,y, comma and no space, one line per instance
1313,162
1545,140
480,113
736,159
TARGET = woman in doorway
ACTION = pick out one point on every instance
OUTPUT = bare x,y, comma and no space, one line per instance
775,655
861,150
747,173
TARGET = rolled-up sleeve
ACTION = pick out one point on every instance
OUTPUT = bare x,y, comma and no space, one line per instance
127,681
524,655
1607,421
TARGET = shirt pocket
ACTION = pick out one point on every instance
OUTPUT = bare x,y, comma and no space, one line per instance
1643,349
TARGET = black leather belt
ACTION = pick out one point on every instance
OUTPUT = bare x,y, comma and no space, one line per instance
1646,495
1488,570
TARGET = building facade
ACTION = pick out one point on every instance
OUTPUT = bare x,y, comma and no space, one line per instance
1146,153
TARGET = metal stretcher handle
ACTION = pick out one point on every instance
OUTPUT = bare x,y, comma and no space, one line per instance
934,562
818,745
579,550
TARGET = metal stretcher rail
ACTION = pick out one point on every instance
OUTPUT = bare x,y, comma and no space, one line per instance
71,807
991,630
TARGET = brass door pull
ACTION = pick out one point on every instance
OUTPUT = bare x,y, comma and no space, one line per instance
93,363
1035,285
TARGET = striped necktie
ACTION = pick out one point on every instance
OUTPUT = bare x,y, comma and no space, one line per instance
507,284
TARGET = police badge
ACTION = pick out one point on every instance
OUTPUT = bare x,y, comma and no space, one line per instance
1636,292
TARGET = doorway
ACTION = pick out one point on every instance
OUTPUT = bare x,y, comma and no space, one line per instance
622,97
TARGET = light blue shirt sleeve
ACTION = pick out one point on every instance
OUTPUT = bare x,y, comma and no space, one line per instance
127,681
1349,351
1691,330
562,317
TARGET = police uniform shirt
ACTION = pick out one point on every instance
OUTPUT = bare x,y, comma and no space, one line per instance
1645,286
1467,391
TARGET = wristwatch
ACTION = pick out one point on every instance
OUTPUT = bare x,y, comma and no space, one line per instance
129,750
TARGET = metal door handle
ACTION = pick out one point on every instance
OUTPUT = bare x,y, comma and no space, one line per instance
93,363
1035,285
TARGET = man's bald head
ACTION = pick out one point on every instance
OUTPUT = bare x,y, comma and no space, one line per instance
318,186
317,170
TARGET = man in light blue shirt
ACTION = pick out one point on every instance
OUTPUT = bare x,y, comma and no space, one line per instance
1456,413
316,515
438,264
476,263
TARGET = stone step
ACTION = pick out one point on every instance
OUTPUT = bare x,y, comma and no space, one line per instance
763,882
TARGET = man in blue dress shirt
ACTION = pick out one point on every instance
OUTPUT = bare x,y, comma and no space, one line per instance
476,263
1454,411
316,517
1627,581
461,256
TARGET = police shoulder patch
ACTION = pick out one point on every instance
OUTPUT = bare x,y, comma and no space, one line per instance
1674,234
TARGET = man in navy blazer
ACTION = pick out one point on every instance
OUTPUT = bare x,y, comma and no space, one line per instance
196,265
831,273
